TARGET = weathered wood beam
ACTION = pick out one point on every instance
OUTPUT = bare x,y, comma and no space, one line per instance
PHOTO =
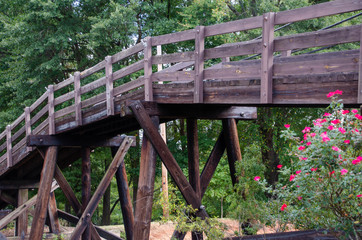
199,64
54,225
72,199
7,198
148,69
166,156
51,106
18,184
109,86
73,141
22,222
86,185
77,99
143,209
125,198
196,111
359,93
93,203
73,219
232,146
47,174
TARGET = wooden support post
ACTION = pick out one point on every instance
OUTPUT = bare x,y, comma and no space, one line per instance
72,199
143,211
194,169
9,147
266,83
148,69
109,86
124,197
53,214
22,222
86,186
51,115
93,203
166,156
77,99
42,200
199,64
28,126
359,95
232,146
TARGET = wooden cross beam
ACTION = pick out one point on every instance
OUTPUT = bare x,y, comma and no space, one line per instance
18,184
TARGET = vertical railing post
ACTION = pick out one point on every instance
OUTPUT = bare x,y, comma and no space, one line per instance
109,86
199,64
28,126
77,99
51,117
266,83
359,95
9,147
148,69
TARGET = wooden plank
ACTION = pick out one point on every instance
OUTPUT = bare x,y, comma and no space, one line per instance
178,67
318,38
232,146
93,85
319,10
21,209
173,76
63,84
18,133
53,214
77,99
234,72
173,37
18,184
234,26
22,222
42,200
94,100
27,126
173,57
109,86
87,214
40,114
74,141
234,49
19,145
134,67
51,117
72,199
42,126
96,68
41,99
148,69
63,98
3,146
266,83
127,52
65,111
129,86
359,94
18,121
199,64
166,156
8,199
143,209
9,153
125,197
73,219
86,185
3,134
212,163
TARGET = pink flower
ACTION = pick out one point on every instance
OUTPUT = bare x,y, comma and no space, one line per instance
336,148
357,160
279,166
359,195
297,172
354,110
298,186
305,136
313,169
330,94
301,148
344,171
359,117
306,129
356,130
312,134
339,92
342,130
345,111
287,125
309,143
299,198
347,141
330,127
304,158
330,174
257,178
325,137
327,114
283,207
336,121
291,178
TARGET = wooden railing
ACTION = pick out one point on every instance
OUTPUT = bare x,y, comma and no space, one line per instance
71,95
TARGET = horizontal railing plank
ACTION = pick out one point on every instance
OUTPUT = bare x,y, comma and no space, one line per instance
63,84
39,101
41,127
3,147
318,10
174,37
234,49
99,66
134,67
93,85
173,77
2,158
128,86
20,119
40,114
19,145
16,135
63,98
94,100
3,134
127,52
174,57
64,111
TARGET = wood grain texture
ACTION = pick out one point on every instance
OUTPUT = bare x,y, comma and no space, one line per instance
77,99
199,64
148,69
86,185
22,222
9,147
359,94
51,106
109,86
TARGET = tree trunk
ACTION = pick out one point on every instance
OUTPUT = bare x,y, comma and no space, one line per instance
106,213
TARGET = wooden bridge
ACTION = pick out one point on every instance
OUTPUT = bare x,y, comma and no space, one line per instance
93,107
